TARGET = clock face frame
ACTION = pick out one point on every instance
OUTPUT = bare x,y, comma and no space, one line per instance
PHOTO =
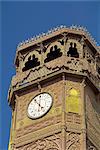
39,105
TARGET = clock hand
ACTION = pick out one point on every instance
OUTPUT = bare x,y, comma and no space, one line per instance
40,103
37,104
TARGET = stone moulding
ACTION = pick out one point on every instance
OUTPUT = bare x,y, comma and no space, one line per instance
53,32
62,64
40,134
71,65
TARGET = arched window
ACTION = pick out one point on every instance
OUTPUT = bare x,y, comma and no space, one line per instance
72,103
73,51
54,53
31,63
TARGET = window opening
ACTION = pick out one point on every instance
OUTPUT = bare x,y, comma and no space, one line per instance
73,51
55,52
31,63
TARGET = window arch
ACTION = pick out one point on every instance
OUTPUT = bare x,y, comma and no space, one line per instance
54,53
73,51
72,103
31,63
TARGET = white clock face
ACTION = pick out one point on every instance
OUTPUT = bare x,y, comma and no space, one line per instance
39,105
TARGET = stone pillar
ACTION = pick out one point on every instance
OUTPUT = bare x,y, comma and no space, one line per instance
20,57
64,38
83,129
63,116
42,56
96,57
12,131
82,50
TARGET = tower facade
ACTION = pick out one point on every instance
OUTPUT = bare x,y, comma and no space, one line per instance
55,94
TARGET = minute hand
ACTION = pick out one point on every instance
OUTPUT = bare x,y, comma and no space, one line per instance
40,104
37,104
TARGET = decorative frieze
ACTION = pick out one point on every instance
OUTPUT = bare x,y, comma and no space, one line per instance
71,65
49,143
73,141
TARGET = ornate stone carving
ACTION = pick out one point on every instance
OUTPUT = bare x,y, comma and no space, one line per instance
73,141
73,65
37,126
73,118
93,122
91,113
90,146
58,44
50,143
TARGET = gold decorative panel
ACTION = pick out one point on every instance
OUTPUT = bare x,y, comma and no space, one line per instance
72,101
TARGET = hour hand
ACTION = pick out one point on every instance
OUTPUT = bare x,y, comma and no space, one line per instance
37,104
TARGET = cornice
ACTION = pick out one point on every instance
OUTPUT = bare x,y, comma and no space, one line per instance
74,29
58,31
54,129
71,65
28,85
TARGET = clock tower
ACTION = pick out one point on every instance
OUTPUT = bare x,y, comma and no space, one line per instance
55,94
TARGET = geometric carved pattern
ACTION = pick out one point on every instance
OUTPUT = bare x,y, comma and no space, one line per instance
73,118
72,64
40,125
90,146
50,143
72,141
93,124
92,114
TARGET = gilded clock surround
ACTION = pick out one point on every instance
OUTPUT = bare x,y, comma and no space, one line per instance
49,65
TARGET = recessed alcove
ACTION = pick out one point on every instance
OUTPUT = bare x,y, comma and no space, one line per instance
54,53
73,51
31,63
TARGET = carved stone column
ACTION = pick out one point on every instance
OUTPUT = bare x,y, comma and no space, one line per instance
12,135
83,129
65,41
63,115
42,57
20,61
96,57
82,50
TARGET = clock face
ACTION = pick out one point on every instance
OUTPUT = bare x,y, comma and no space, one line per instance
39,105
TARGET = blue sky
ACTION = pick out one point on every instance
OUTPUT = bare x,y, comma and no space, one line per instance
22,20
